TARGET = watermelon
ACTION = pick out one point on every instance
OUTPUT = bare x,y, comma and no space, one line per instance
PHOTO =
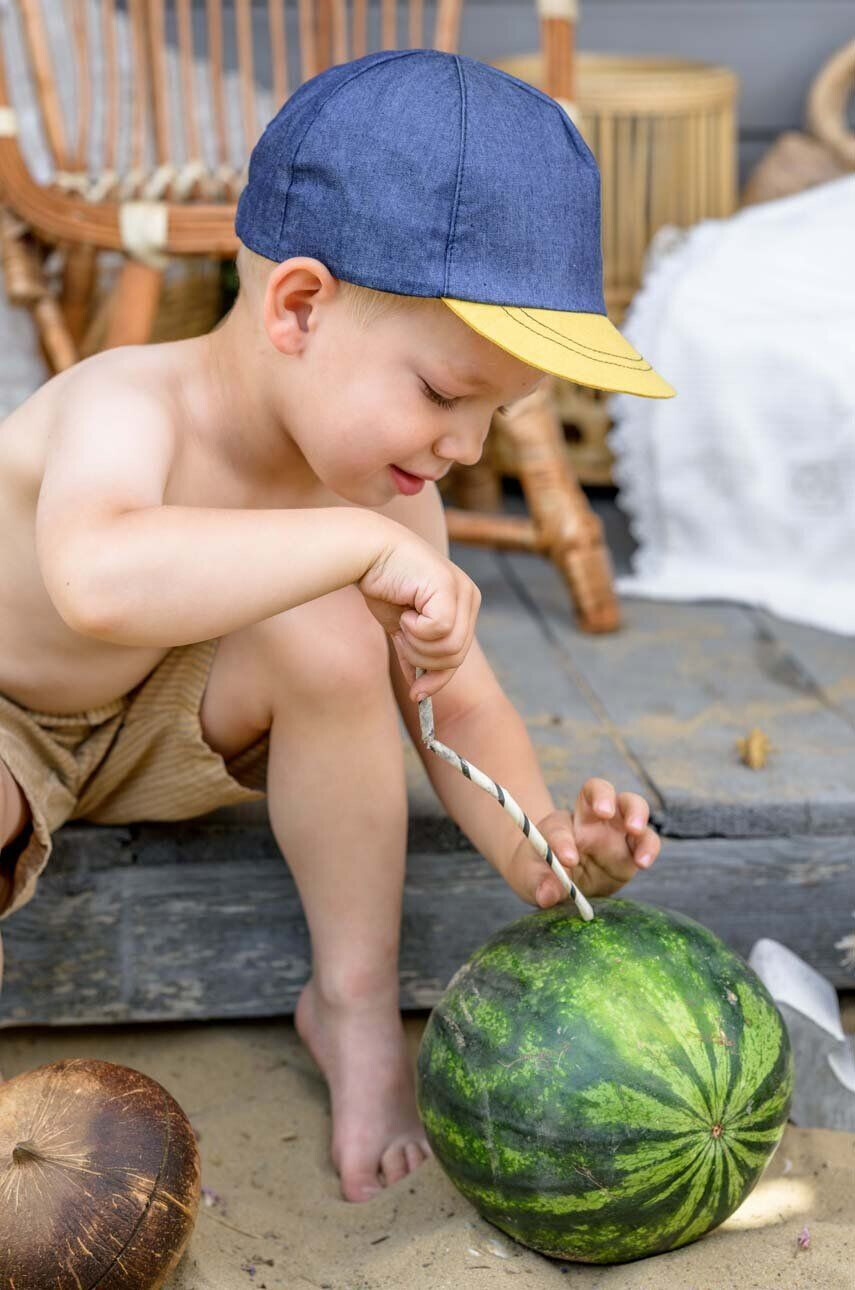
606,1090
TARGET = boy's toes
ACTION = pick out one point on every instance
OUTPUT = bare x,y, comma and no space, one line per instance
359,1183
417,1154
393,1163
401,1158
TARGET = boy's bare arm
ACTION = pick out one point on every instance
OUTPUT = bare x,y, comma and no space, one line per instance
597,839
475,717
120,565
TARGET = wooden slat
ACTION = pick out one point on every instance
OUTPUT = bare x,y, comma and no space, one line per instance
822,659
188,88
140,94
360,28
217,79
44,76
111,84
309,61
415,24
203,919
679,683
156,14
339,31
388,24
323,32
447,26
558,44
249,113
76,23
278,50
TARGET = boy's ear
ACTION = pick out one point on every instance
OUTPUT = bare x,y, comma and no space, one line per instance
294,290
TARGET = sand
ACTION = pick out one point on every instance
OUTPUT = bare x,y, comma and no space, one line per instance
272,1217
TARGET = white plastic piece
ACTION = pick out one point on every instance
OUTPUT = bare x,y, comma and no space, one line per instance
792,981
843,1065
8,123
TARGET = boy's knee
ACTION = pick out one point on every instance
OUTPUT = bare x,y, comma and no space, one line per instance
342,655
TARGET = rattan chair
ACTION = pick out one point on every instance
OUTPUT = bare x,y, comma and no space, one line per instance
171,165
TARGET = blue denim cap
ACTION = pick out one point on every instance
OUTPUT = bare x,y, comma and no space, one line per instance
432,174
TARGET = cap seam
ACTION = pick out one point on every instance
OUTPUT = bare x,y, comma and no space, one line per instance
398,53
449,245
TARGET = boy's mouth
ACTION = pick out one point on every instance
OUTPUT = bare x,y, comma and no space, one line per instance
405,482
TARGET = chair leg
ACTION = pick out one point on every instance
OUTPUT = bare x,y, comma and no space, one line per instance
133,305
565,525
478,487
26,285
78,283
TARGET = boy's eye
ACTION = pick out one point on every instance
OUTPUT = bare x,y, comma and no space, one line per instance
437,398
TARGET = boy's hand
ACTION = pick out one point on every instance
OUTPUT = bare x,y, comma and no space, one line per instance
601,845
426,604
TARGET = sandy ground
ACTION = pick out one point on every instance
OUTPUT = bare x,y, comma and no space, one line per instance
272,1217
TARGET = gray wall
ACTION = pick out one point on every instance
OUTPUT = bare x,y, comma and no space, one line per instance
774,46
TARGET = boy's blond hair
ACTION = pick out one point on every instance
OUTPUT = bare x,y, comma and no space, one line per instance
364,304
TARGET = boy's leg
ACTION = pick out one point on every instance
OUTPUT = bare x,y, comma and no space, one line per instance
318,678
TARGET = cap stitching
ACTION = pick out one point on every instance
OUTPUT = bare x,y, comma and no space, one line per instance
449,245
577,346
400,53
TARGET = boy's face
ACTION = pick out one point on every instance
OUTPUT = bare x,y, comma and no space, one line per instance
359,400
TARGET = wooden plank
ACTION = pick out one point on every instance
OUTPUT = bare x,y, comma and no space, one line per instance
681,683
217,930
570,740
827,659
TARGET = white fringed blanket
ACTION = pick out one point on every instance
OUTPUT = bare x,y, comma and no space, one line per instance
743,486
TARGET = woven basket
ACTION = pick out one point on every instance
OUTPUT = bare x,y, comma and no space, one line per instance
663,131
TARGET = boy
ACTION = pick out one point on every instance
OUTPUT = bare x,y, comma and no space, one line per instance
222,559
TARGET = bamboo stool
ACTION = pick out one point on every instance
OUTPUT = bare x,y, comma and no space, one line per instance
165,195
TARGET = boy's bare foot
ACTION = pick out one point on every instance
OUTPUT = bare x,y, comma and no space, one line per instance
359,1046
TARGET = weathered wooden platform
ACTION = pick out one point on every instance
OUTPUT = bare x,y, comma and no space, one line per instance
203,919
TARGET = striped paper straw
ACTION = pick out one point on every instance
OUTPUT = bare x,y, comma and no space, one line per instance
505,800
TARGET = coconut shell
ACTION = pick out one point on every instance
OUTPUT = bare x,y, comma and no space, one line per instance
99,1179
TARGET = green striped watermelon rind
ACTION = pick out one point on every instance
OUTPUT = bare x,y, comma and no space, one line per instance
618,1110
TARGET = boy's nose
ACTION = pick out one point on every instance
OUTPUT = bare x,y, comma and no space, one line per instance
462,446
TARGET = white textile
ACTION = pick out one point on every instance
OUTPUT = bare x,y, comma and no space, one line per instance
743,486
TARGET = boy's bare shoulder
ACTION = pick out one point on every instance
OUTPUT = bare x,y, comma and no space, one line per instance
107,431
132,375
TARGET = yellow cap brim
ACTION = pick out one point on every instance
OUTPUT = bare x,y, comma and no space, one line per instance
585,348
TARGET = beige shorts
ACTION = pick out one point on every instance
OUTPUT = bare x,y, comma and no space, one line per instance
139,757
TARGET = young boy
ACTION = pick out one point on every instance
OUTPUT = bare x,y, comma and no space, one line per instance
222,559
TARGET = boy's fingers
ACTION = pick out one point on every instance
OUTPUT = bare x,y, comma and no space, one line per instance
431,683
599,796
449,647
646,848
634,810
409,672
